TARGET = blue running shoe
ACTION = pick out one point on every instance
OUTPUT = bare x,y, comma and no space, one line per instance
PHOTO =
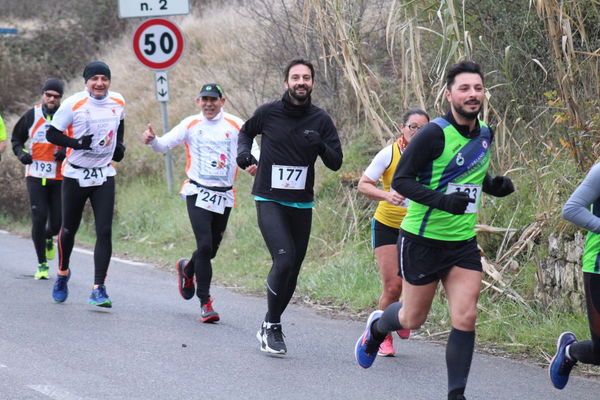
366,347
60,290
561,365
99,297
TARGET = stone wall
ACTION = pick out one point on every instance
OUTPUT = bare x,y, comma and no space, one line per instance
559,276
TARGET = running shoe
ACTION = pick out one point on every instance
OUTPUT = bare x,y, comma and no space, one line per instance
60,290
271,339
561,365
50,253
186,285
403,333
207,313
386,348
99,297
42,271
367,346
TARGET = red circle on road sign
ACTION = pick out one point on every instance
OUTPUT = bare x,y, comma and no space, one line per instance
163,41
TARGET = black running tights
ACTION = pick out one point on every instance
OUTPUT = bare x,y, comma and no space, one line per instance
208,228
286,231
588,351
102,199
44,199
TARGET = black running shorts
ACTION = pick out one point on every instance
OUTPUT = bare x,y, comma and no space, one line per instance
382,234
421,262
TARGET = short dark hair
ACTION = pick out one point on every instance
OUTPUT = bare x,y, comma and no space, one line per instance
413,111
299,61
461,67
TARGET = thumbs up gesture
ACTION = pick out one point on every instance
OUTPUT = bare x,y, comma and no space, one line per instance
148,136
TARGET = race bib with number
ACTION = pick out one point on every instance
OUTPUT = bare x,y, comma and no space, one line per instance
211,200
91,176
42,169
474,192
288,177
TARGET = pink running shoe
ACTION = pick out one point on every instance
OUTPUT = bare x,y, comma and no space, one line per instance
386,348
403,333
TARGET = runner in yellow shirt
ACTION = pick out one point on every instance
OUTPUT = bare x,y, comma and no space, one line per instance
388,215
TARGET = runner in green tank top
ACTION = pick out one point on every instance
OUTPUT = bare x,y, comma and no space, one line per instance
583,209
443,172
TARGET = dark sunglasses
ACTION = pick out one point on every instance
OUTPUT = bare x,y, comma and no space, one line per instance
56,96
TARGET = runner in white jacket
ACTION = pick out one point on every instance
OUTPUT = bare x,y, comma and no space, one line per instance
210,138
91,125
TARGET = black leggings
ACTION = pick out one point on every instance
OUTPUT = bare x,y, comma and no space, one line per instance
286,231
208,228
102,199
44,199
588,351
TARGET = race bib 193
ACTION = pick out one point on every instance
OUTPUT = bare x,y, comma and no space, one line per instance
288,177
474,192
211,200
42,169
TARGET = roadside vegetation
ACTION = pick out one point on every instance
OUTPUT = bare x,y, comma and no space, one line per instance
375,59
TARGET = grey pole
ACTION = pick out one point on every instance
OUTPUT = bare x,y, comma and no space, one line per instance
168,157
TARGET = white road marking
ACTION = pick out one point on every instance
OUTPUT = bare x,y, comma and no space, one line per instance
55,392
4,232
91,253
3,366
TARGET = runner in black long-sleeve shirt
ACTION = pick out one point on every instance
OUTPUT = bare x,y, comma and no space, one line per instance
294,133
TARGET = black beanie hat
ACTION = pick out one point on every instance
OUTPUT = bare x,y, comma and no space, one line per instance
96,68
54,84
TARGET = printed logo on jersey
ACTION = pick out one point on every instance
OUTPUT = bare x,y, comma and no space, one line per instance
220,163
107,139
485,144
459,159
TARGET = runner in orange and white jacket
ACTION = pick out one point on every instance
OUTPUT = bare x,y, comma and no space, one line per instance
43,161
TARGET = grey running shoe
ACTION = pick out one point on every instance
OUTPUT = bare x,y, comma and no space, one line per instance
271,339
208,313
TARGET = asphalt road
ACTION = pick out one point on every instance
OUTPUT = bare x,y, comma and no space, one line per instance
150,345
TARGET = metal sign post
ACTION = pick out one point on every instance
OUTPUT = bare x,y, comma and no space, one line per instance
158,44
161,80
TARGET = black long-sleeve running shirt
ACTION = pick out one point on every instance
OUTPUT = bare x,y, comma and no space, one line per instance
284,128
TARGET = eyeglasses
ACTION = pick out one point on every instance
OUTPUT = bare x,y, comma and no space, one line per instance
56,96
414,127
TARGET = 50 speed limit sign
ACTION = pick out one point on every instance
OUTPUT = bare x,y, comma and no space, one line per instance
158,43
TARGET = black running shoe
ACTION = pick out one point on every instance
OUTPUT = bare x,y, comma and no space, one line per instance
208,313
271,339
186,285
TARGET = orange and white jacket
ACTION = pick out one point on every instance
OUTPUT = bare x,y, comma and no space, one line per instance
41,151
84,115
211,150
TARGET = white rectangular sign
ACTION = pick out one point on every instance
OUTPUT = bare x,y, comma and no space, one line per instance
161,80
152,8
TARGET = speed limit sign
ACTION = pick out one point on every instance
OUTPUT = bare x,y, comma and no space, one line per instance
158,43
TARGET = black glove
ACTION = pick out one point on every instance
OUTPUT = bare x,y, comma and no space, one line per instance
83,143
314,139
244,160
25,157
455,202
119,152
61,154
499,186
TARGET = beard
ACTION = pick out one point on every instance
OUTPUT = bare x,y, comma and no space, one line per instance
466,114
300,97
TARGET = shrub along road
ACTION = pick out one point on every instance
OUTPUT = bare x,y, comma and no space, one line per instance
151,346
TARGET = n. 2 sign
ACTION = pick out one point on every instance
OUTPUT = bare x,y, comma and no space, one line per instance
158,43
